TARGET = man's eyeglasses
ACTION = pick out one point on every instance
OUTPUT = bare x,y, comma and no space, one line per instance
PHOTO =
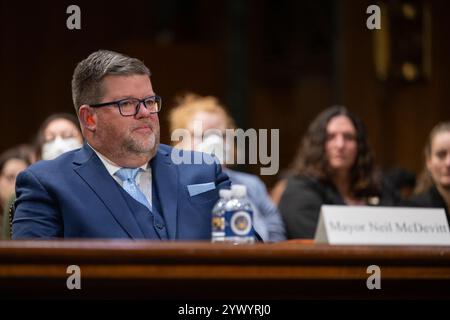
130,106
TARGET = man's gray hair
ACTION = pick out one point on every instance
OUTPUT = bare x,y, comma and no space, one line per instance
89,73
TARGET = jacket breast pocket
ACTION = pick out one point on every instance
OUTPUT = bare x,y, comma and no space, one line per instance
205,197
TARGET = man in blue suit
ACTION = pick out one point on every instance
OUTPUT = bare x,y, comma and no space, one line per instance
122,183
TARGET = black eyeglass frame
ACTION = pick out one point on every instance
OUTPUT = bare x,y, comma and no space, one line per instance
158,101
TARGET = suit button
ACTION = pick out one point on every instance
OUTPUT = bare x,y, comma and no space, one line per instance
160,226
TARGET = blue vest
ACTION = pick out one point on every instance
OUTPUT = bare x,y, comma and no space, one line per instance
152,224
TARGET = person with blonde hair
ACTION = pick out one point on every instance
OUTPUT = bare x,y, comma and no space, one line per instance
433,186
206,121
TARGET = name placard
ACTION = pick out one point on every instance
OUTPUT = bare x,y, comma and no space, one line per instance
354,225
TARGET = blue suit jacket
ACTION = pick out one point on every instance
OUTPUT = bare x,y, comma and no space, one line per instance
74,196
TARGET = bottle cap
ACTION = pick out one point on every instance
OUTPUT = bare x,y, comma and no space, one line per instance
239,190
225,193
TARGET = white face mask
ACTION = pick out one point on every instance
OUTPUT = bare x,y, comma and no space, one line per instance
56,147
214,144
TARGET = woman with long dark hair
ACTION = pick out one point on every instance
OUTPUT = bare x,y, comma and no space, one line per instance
334,165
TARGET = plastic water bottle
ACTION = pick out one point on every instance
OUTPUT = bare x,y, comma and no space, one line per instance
239,217
218,216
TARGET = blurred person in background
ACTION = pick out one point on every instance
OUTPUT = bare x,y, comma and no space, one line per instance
12,162
193,110
433,186
58,134
334,166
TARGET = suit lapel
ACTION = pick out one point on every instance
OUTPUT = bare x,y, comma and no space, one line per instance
165,184
90,168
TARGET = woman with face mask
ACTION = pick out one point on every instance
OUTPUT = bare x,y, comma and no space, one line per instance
206,122
433,186
58,134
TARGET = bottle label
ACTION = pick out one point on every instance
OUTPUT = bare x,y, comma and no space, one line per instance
218,224
238,223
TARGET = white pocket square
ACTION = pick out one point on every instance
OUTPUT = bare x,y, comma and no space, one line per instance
195,189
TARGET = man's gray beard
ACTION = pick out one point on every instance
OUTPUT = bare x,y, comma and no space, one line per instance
131,146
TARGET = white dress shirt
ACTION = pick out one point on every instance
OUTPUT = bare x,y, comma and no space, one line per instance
143,178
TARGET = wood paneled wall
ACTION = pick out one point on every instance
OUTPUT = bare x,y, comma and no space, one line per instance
291,65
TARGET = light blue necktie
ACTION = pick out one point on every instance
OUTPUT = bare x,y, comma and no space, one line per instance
128,176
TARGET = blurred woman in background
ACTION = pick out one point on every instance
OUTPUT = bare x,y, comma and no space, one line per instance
433,187
12,162
207,116
334,165
58,133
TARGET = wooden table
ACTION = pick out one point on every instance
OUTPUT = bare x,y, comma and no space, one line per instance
196,270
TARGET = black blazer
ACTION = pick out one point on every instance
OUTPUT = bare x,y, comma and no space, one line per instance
303,197
429,199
